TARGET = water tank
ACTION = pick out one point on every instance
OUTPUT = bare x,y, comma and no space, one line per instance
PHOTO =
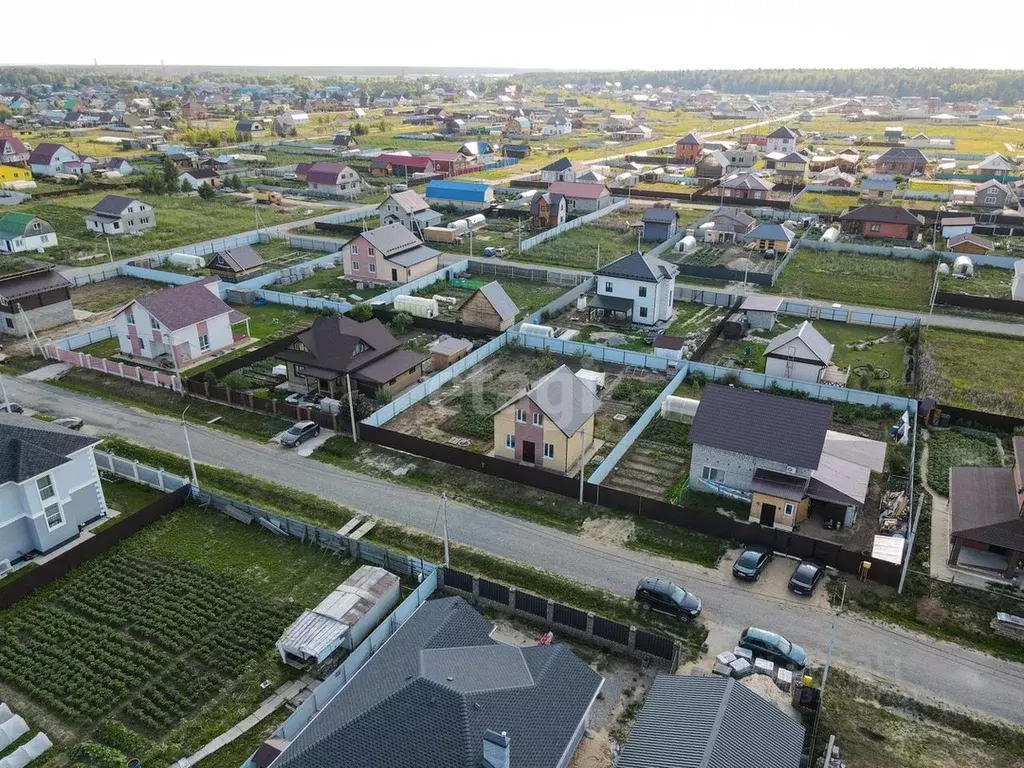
186,260
688,244
417,306
529,329
460,225
477,220
679,408
831,235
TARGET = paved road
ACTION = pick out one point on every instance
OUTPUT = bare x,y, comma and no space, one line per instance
929,668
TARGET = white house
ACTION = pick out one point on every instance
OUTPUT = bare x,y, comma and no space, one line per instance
24,232
1017,289
800,353
48,488
557,125
782,139
410,210
334,178
637,287
183,323
120,215
196,177
52,159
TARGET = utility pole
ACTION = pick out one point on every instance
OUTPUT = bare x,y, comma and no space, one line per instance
351,408
110,252
188,448
444,512
598,257
824,675
583,463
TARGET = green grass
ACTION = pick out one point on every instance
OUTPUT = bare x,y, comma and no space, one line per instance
986,281
973,370
873,281
18,364
239,750
825,202
105,348
956,448
126,497
677,543
328,281
527,295
272,321
111,294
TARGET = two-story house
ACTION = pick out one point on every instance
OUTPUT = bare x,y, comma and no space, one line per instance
581,197
688,148
637,287
24,232
334,178
562,169
120,215
49,486
548,210
410,210
388,254
543,424
782,139
52,159
556,125
791,169
13,151
995,195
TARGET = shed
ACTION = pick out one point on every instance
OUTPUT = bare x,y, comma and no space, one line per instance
659,223
761,311
736,326
447,349
236,263
970,243
670,347
343,619
490,307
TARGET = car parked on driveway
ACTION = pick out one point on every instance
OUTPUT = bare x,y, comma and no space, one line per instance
666,597
299,433
768,645
751,562
11,408
806,577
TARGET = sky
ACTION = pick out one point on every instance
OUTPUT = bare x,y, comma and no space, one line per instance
599,34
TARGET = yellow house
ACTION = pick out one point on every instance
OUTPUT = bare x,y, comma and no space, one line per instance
542,425
14,173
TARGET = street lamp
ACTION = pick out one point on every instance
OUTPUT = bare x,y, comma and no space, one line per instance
188,448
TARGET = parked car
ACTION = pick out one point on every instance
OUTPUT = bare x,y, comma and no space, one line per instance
300,432
806,577
751,562
768,645
666,597
495,252
11,408
69,422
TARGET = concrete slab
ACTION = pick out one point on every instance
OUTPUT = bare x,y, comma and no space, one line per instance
47,372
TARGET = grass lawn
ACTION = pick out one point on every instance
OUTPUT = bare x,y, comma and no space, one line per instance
111,294
275,320
974,370
528,295
180,220
126,498
873,281
825,202
986,281
578,248
954,448
160,644
327,281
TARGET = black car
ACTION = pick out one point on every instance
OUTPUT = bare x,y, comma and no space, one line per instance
300,431
751,562
664,596
806,577
775,648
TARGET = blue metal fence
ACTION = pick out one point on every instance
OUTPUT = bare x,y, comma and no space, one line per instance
156,275
84,339
305,302
595,352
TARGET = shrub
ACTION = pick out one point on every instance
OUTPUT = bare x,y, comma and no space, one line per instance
383,395
401,323
209,377
235,380
98,755
361,312
697,378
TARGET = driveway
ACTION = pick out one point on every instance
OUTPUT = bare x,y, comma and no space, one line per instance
923,666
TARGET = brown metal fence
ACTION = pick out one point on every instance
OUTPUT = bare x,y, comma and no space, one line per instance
979,302
712,337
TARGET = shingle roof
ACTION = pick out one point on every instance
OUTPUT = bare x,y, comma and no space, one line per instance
332,341
501,301
710,722
771,427
429,695
29,447
817,344
746,181
639,266
689,138
239,259
562,397
889,214
659,215
903,155
184,305
983,506
112,205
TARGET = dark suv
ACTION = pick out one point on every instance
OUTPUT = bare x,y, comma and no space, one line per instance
666,597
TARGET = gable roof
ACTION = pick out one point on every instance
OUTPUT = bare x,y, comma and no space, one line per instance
391,239
571,189
983,506
770,230
884,214
710,722
29,447
659,215
325,173
792,157
639,266
689,139
440,683
562,397
409,201
113,205
969,237
332,341
733,214
752,423
16,223
499,300
782,132
903,155
44,152
992,184
561,164
462,191
238,259
183,305
817,344
16,145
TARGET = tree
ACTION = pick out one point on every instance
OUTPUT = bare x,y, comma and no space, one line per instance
361,312
185,187
382,126
152,183
170,173
358,129
206,191
401,323
383,395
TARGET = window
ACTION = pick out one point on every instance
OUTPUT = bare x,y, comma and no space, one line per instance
142,343
54,516
355,266
788,510
117,225
643,311
642,292
355,250
538,419
131,222
36,225
373,268
876,227
712,474
370,251
204,342
520,415
9,322
510,442
549,450
990,200
154,323
45,486
608,287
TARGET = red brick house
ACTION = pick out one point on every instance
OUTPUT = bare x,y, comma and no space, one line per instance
452,163
881,221
903,160
194,110
401,165
688,148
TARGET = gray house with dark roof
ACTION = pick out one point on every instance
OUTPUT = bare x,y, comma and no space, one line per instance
442,693
659,223
120,215
637,287
49,486
236,264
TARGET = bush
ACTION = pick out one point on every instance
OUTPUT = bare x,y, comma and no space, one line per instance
361,312
118,736
383,395
207,192
235,380
98,755
209,377
401,323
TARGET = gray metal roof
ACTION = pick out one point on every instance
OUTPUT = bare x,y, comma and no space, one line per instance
402,711
782,132
818,345
413,256
392,239
113,205
659,215
770,427
759,302
710,722
639,266
562,397
30,447
410,201
501,301
770,230
238,259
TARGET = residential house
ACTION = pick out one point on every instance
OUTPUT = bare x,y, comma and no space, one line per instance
337,349
833,177
179,324
800,353
970,243
247,129
287,124
878,188
562,169
478,151
638,287
761,310
712,164
986,510
548,210
557,125
13,151
744,186
121,166
194,110
518,151
466,195
464,699
791,169
120,215
452,163
688,148
542,424
902,160
659,223
388,254
995,166
614,123
196,177
778,453
33,300
518,127
336,179
697,721
957,225
740,159
849,160
771,236
410,210
489,307
15,177
995,195
24,232
237,264
881,221
782,139
55,159
636,133
726,225
49,487
582,197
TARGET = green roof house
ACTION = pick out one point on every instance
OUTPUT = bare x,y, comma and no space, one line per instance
25,232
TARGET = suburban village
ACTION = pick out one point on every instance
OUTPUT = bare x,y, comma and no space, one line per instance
537,420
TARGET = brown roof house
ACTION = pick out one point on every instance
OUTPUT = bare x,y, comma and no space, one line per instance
968,242
902,160
337,348
237,264
548,210
490,307
40,295
986,509
550,424
881,221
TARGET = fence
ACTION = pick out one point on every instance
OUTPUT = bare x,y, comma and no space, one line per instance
969,418
535,274
101,364
562,301
329,245
701,349
85,338
247,401
594,351
564,619
306,302
156,275
901,252
94,276
667,245
503,163
88,546
529,242
211,246
445,273
724,273
980,302
356,214
139,473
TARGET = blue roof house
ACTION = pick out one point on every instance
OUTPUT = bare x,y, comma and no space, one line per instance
460,194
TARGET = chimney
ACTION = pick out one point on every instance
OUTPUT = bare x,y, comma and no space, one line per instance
496,749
